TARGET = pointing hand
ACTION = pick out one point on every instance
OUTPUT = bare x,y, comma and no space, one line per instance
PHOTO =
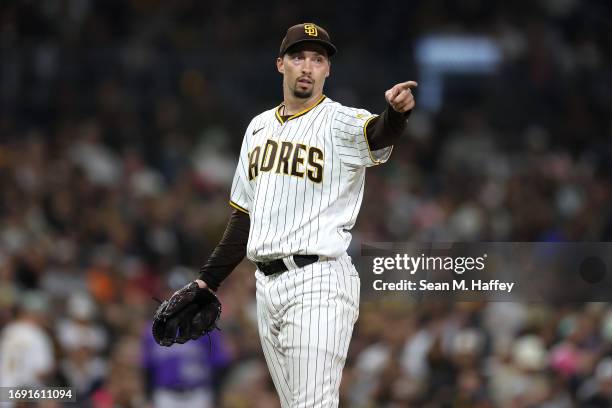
400,96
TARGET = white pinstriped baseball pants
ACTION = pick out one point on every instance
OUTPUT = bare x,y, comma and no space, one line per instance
306,318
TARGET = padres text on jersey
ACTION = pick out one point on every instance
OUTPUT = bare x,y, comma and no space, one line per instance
301,180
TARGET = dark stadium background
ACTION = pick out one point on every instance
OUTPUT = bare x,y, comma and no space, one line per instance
120,126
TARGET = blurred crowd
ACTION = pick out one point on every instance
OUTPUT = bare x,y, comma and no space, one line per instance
120,125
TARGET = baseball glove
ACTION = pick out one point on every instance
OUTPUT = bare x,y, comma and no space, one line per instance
190,313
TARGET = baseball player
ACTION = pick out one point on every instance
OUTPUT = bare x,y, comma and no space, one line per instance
296,194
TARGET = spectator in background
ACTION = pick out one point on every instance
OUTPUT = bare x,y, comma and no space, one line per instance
522,378
123,386
8,290
26,350
186,375
83,342
597,392
249,386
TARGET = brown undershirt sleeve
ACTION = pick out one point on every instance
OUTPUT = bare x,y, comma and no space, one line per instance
385,130
230,251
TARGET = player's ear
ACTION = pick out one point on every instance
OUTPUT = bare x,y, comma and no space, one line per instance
328,67
280,66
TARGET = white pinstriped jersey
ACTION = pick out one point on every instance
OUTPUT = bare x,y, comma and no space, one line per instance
301,180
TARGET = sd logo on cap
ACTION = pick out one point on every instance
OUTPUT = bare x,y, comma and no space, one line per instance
307,32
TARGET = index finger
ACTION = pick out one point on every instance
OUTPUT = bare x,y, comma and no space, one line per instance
408,84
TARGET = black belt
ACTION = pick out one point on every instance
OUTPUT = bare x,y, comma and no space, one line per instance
277,265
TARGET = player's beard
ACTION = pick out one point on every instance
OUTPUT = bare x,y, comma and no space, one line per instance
302,94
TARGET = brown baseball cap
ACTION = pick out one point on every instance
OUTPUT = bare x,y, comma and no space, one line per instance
307,32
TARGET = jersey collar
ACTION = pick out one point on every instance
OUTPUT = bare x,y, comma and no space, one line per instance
280,119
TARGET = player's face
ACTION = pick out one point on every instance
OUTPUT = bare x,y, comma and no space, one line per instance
305,69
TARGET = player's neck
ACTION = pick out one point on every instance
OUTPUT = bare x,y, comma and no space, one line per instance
293,105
